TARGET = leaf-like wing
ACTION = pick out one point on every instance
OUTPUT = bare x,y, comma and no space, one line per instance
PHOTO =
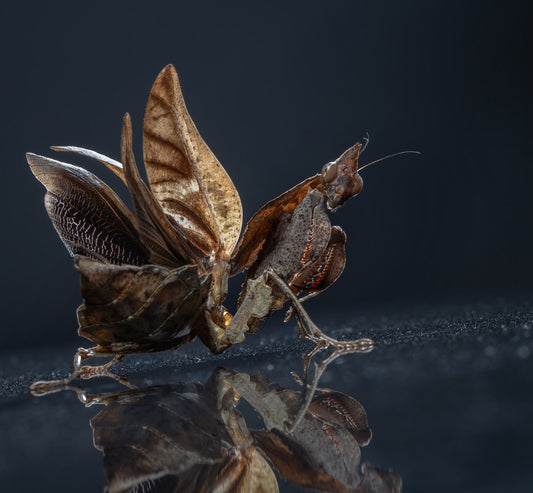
115,166
148,305
299,240
184,175
259,230
323,451
174,438
88,216
155,230
317,458
154,224
157,435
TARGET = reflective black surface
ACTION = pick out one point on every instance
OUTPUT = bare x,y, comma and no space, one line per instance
447,392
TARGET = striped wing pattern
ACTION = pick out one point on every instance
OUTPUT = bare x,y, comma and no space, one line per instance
88,216
185,177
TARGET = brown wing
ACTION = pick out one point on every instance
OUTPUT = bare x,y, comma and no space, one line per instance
88,216
115,166
149,305
153,222
184,175
175,438
265,222
168,246
298,241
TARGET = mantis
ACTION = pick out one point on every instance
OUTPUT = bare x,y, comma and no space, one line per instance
157,278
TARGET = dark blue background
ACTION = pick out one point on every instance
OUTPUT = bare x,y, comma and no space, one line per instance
277,90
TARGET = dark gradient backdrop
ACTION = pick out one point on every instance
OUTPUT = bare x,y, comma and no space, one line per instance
278,89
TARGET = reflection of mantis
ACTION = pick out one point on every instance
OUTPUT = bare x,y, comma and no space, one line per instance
158,279
192,437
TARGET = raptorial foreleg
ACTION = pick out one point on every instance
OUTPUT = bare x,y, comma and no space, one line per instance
308,328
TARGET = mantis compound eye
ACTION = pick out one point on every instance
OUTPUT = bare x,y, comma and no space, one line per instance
340,181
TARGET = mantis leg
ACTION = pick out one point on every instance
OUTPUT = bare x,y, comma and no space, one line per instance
309,329
255,305
85,372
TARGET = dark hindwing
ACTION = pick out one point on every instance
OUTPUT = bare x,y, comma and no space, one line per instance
89,217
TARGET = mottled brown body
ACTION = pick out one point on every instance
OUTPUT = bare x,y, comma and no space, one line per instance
157,278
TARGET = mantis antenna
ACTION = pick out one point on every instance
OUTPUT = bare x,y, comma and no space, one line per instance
386,157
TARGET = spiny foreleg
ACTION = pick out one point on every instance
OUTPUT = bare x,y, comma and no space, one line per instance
308,328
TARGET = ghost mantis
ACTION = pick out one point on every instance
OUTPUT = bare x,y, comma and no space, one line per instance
157,278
